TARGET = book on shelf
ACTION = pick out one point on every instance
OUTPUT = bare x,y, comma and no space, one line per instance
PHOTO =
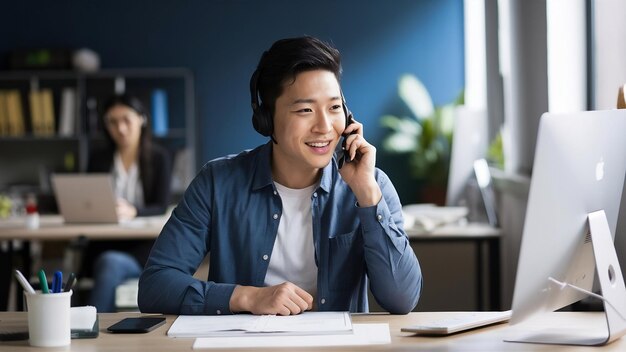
41,112
15,112
159,113
67,114
47,111
36,115
4,116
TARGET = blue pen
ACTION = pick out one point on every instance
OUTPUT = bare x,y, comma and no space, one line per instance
57,282
43,282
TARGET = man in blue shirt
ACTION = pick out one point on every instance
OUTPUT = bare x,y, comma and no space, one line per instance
289,227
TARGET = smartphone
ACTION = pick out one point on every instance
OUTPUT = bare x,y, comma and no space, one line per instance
136,325
343,155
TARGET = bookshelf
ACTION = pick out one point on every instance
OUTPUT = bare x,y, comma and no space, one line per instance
50,120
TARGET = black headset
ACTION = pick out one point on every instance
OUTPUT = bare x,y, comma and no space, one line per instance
262,120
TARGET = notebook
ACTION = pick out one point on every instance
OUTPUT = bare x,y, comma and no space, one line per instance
85,198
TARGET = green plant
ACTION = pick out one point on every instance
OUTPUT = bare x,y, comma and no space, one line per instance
495,153
425,136
5,206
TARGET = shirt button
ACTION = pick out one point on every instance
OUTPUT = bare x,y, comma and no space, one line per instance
379,217
219,312
315,195
275,216
323,300
275,193
265,256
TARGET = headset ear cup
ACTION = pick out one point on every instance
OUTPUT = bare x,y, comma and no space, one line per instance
255,122
262,122
261,118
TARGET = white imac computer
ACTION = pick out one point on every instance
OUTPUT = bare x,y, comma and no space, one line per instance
575,193
469,143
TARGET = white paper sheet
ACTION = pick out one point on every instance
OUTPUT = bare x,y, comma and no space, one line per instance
363,334
314,323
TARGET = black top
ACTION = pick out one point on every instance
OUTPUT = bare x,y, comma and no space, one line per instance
156,193
156,190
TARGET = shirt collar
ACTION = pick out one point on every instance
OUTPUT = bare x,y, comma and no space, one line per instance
263,167
263,170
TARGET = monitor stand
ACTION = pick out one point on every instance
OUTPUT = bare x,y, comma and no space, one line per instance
613,292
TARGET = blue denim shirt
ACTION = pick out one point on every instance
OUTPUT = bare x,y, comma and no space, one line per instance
232,210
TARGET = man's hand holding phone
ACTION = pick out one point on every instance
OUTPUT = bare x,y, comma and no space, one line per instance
359,169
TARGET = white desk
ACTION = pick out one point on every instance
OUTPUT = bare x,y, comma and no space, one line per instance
52,228
484,339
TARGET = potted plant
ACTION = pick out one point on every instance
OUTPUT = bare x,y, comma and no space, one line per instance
424,137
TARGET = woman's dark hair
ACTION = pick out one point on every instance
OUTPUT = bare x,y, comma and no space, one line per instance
286,58
145,139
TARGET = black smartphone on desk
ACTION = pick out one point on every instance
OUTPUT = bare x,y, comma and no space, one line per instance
136,325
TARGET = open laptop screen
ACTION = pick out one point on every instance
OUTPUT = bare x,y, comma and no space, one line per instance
85,198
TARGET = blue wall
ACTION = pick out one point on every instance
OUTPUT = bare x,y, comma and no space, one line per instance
221,42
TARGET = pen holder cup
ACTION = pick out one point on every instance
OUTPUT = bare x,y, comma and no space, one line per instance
49,318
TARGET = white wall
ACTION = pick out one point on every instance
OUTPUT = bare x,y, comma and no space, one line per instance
567,56
609,42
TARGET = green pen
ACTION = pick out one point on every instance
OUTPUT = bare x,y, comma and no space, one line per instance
43,282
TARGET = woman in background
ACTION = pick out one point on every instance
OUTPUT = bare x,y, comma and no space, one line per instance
141,174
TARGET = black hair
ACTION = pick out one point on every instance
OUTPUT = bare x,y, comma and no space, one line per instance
286,58
145,139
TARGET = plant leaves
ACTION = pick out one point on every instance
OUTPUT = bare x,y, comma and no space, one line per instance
416,96
446,121
401,125
400,143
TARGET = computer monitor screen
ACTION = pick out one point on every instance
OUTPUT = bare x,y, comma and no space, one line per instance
579,168
469,143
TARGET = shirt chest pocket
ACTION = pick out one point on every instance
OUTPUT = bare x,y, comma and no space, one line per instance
346,264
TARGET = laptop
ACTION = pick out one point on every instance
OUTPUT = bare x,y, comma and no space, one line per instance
85,198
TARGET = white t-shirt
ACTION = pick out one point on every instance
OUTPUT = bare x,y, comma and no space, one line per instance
127,183
293,255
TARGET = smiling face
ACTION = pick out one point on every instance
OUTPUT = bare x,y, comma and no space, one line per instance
308,122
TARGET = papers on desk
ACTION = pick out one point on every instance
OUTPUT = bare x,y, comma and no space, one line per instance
363,334
428,217
308,323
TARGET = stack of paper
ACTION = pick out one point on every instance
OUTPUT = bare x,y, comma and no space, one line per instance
308,323
363,334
